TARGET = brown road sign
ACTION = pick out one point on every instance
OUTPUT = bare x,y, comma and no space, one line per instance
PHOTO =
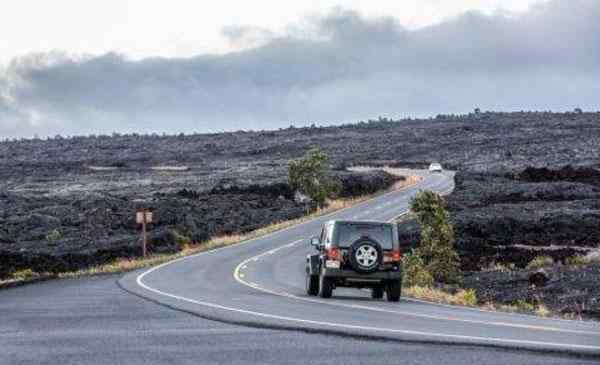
143,217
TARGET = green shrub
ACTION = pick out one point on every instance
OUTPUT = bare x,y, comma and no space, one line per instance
498,266
577,260
54,235
311,176
25,274
414,271
593,259
436,248
542,310
426,206
540,261
180,239
524,306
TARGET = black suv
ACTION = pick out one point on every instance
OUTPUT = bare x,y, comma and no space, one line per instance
355,254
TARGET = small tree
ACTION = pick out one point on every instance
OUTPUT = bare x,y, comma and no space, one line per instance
437,237
415,273
54,235
311,176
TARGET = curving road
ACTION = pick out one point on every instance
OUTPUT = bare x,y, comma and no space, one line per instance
260,283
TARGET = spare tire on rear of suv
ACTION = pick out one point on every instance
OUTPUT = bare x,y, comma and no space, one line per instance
365,255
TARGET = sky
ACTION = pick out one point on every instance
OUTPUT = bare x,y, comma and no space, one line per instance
184,28
72,67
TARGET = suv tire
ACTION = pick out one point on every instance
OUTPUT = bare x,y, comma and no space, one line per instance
372,253
312,284
393,290
377,292
325,287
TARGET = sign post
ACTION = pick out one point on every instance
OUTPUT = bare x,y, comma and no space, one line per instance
143,217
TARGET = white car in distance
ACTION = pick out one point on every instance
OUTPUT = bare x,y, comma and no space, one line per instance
435,167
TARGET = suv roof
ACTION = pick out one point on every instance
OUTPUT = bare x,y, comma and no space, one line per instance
338,224
357,222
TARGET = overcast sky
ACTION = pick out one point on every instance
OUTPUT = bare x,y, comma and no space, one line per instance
74,67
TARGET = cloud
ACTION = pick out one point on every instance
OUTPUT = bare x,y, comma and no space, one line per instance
245,36
348,68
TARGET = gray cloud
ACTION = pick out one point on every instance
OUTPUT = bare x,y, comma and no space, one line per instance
351,68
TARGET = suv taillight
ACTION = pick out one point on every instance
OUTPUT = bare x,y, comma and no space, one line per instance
334,253
393,256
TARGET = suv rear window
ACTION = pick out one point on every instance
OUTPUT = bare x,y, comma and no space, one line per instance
347,233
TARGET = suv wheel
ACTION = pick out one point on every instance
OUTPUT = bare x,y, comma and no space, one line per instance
325,287
393,290
365,255
377,292
312,284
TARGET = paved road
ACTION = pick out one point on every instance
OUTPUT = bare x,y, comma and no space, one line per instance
93,321
259,284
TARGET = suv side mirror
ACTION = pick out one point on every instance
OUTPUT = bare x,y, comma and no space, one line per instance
315,241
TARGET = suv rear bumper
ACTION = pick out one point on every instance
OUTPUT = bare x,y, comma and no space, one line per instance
353,275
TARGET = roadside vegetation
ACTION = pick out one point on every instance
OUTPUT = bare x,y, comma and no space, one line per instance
54,235
498,266
432,270
435,257
311,176
539,262
581,260
464,297
519,306
435,260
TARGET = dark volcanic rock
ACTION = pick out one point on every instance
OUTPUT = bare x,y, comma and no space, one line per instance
568,290
515,198
586,175
513,218
94,228
355,184
539,278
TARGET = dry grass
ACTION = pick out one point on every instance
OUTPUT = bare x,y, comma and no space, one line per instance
129,264
542,311
581,260
468,298
462,297
26,274
496,266
520,306
540,261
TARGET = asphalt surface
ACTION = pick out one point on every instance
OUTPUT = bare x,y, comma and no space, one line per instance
93,321
246,304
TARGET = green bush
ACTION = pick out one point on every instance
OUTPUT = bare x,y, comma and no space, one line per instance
311,176
54,235
524,306
577,260
180,239
25,274
414,271
540,261
499,266
427,206
436,248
